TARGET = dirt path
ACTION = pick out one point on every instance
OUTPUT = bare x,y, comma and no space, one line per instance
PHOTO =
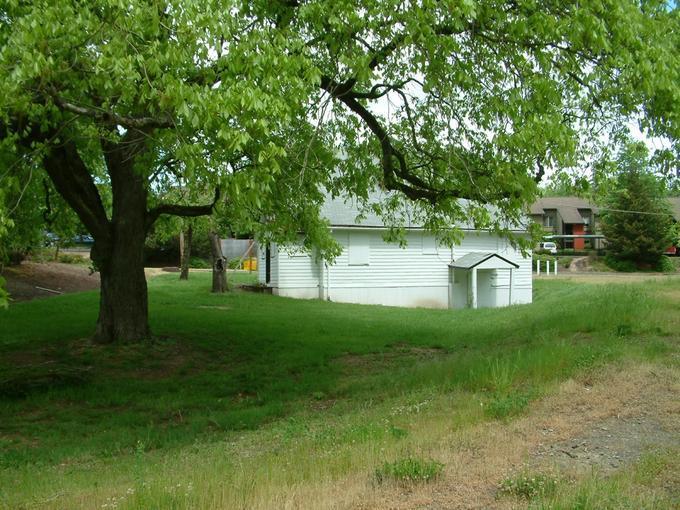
35,280
579,264
604,424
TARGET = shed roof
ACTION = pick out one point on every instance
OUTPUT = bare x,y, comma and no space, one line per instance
475,258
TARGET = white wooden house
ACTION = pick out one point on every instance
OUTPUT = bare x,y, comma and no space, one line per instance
483,271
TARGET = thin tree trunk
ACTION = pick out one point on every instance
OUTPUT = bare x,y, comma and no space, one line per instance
185,252
219,264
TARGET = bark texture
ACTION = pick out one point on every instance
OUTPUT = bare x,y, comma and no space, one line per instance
185,239
123,304
123,307
219,265
118,250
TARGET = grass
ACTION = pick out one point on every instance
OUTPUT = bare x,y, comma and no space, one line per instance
529,486
243,397
409,470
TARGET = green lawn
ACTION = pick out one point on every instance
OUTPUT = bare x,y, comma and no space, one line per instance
233,382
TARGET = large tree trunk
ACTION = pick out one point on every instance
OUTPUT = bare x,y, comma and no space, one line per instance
185,252
219,266
123,305
118,250
119,255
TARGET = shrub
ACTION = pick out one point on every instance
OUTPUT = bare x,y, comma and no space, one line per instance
623,266
410,470
565,262
528,486
15,257
665,265
67,258
542,257
199,263
573,252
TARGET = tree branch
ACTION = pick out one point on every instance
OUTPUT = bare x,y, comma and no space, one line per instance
396,178
113,118
181,210
73,181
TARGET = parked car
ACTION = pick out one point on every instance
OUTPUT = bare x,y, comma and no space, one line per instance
549,246
83,239
51,238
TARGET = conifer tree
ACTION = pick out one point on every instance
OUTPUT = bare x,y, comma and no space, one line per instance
637,221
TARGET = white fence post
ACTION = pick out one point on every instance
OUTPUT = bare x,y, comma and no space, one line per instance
555,267
538,268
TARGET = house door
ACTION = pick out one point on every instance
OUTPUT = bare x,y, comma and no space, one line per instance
568,230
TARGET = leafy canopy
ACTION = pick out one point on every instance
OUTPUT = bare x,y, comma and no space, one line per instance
282,102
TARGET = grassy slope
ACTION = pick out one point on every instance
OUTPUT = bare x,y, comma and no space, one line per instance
235,380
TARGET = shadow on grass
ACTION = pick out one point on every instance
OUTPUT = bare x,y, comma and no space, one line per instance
224,363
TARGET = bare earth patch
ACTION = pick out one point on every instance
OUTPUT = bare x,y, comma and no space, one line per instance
399,352
604,423
33,280
611,444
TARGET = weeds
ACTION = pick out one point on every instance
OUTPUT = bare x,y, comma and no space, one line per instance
528,486
504,406
409,470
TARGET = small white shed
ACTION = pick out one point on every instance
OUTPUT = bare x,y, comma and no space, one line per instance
471,281
484,270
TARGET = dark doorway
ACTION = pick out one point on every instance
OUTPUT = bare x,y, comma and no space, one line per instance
268,265
568,230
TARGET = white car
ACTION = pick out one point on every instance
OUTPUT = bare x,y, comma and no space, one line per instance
549,246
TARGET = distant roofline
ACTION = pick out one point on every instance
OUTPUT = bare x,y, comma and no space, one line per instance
383,227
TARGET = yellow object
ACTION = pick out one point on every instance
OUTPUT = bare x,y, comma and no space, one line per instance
250,264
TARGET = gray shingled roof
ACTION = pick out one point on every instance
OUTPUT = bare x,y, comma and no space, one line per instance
567,207
475,258
675,207
343,212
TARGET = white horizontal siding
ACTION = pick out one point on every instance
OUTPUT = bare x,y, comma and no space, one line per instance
389,265
415,266
297,269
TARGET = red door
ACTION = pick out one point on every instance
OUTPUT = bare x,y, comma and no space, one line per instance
579,243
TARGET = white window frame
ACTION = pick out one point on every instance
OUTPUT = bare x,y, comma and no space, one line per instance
359,249
429,244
